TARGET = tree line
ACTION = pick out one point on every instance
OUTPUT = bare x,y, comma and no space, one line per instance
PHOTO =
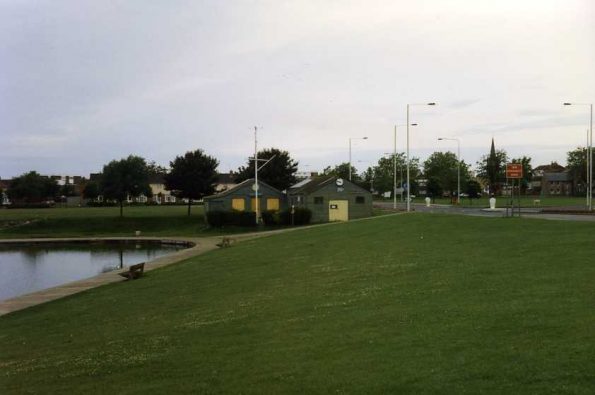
193,175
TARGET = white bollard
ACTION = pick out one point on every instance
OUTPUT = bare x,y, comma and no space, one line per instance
428,202
492,203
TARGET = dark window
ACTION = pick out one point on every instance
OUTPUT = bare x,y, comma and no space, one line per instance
360,199
318,199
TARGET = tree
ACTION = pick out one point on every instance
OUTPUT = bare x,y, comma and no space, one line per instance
32,187
91,190
443,167
382,173
342,171
473,190
576,162
492,168
278,173
123,178
525,161
192,176
433,188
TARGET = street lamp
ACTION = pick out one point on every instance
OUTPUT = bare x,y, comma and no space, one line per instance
353,138
458,165
395,168
589,155
408,181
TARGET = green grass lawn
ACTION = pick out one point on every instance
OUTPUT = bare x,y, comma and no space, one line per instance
105,221
413,303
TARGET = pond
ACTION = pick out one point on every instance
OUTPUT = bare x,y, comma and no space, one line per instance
26,268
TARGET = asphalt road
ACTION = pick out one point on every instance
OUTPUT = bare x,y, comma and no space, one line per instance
483,212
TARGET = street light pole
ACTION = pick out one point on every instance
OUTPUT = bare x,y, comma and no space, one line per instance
408,180
458,165
256,172
589,155
395,168
353,138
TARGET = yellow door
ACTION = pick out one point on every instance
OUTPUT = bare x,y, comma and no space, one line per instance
272,204
338,210
238,204
253,204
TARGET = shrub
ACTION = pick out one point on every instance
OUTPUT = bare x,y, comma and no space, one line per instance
301,216
271,218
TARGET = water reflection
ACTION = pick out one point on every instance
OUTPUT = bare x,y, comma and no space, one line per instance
29,268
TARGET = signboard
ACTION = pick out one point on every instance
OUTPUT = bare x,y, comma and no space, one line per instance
334,207
514,170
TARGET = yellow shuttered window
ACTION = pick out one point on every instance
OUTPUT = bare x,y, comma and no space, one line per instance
238,204
272,204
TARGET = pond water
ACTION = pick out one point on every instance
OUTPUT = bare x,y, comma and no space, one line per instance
26,268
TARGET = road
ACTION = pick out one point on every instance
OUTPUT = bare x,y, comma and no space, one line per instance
483,212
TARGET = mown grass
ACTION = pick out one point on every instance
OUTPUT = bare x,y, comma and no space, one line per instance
414,303
105,221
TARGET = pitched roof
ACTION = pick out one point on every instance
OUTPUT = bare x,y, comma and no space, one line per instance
318,182
558,176
239,186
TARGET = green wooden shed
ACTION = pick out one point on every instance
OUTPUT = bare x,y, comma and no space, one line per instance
242,198
331,198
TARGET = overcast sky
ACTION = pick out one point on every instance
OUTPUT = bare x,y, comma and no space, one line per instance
85,82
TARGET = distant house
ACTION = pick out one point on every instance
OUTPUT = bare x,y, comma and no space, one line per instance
4,185
552,179
158,191
225,181
242,198
331,199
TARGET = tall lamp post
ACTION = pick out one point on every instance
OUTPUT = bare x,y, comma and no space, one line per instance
353,138
395,167
458,165
589,155
408,181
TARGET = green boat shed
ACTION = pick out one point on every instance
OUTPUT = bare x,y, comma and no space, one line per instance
331,198
242,197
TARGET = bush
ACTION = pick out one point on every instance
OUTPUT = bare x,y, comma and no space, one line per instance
271,218
219,219
301,216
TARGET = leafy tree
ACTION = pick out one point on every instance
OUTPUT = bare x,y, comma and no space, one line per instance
123,178
525,161
278,173
443,167
91,190
473,190
342,171
576,162
433,188
492,168
32,187
383,172
154,169
192,176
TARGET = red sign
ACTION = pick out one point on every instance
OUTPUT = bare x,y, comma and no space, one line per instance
514,170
